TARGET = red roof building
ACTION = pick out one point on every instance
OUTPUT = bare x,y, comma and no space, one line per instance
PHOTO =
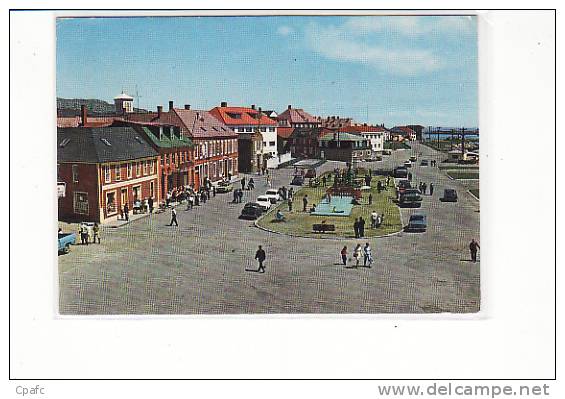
246,122
297,117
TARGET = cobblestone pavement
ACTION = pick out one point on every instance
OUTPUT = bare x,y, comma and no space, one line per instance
147,267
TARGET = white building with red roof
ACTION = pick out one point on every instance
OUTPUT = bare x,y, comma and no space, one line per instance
374,134
247,121
297,117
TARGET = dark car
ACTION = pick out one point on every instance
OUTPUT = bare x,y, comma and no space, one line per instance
251,210
449,195
297,181
417,222
424,162
387,152
411,198
404,184
310,173
400,172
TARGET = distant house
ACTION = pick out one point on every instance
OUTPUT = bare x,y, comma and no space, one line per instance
247,121
405,132
419,129
336,123
283,136
297,117
104,168
344,146
375,135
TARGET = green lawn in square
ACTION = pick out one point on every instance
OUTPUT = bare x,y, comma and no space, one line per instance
300,223
463,174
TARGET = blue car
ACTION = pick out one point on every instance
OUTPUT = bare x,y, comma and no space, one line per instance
417,223
65,242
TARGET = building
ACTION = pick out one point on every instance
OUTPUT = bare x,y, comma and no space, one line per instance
297,117
123,103
283,136
102,169
375,135
213,152
403,131
84,120
247,121
345,147
336,123
304,141
419,129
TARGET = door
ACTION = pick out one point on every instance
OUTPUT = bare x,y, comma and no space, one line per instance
124,197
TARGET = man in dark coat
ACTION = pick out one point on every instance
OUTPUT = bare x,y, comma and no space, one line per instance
243,183
473,247
304,203
260,256
361,227
356,227
150,203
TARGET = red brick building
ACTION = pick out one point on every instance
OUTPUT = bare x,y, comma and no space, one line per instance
210,151
103,168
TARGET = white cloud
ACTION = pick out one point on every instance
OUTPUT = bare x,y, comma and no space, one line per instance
285,30
410,25
342,43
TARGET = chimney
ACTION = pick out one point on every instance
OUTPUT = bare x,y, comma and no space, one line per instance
260,110
289,106
83,115
223,104
252,106
159,111
186,106
170,105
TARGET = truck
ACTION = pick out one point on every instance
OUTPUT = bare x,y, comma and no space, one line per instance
65,242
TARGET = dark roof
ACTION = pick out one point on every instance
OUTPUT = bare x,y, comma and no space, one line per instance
103,144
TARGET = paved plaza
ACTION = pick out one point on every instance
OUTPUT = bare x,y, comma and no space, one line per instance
148,267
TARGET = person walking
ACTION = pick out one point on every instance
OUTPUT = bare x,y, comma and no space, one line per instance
473,247
96,233
344,255
361,227
371,196
243,183
150,204
260,256
304,203
289,202
240,196
374,218
357,254
214,191
83,234
126,212
367,256
174,217
424,187
324,180
431,188
356,227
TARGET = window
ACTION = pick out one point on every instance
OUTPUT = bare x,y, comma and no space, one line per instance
118,173
138,171
152,167
249,129
264,143
75,173
80,203
272,143
271,129
263,129
130,170
151,189
145,165
107,174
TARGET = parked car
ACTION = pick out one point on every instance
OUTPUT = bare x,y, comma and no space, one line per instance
310,173
400,172
407,164
264,202
251,210
297,180
224,187
424,162
65,242
417,222
449,195
404,184
410,198
273,195
387,152
413,158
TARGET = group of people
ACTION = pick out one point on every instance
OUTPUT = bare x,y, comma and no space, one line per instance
376,219
87,234
358,253
423,187
359,227
250,184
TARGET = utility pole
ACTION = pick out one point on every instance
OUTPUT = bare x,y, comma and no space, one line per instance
452,133
137,96
438,130
462,143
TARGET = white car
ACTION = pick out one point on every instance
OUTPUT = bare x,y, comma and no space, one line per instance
264,201
273,195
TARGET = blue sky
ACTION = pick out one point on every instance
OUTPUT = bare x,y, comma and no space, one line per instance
392,70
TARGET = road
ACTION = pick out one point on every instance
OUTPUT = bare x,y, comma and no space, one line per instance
147,267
